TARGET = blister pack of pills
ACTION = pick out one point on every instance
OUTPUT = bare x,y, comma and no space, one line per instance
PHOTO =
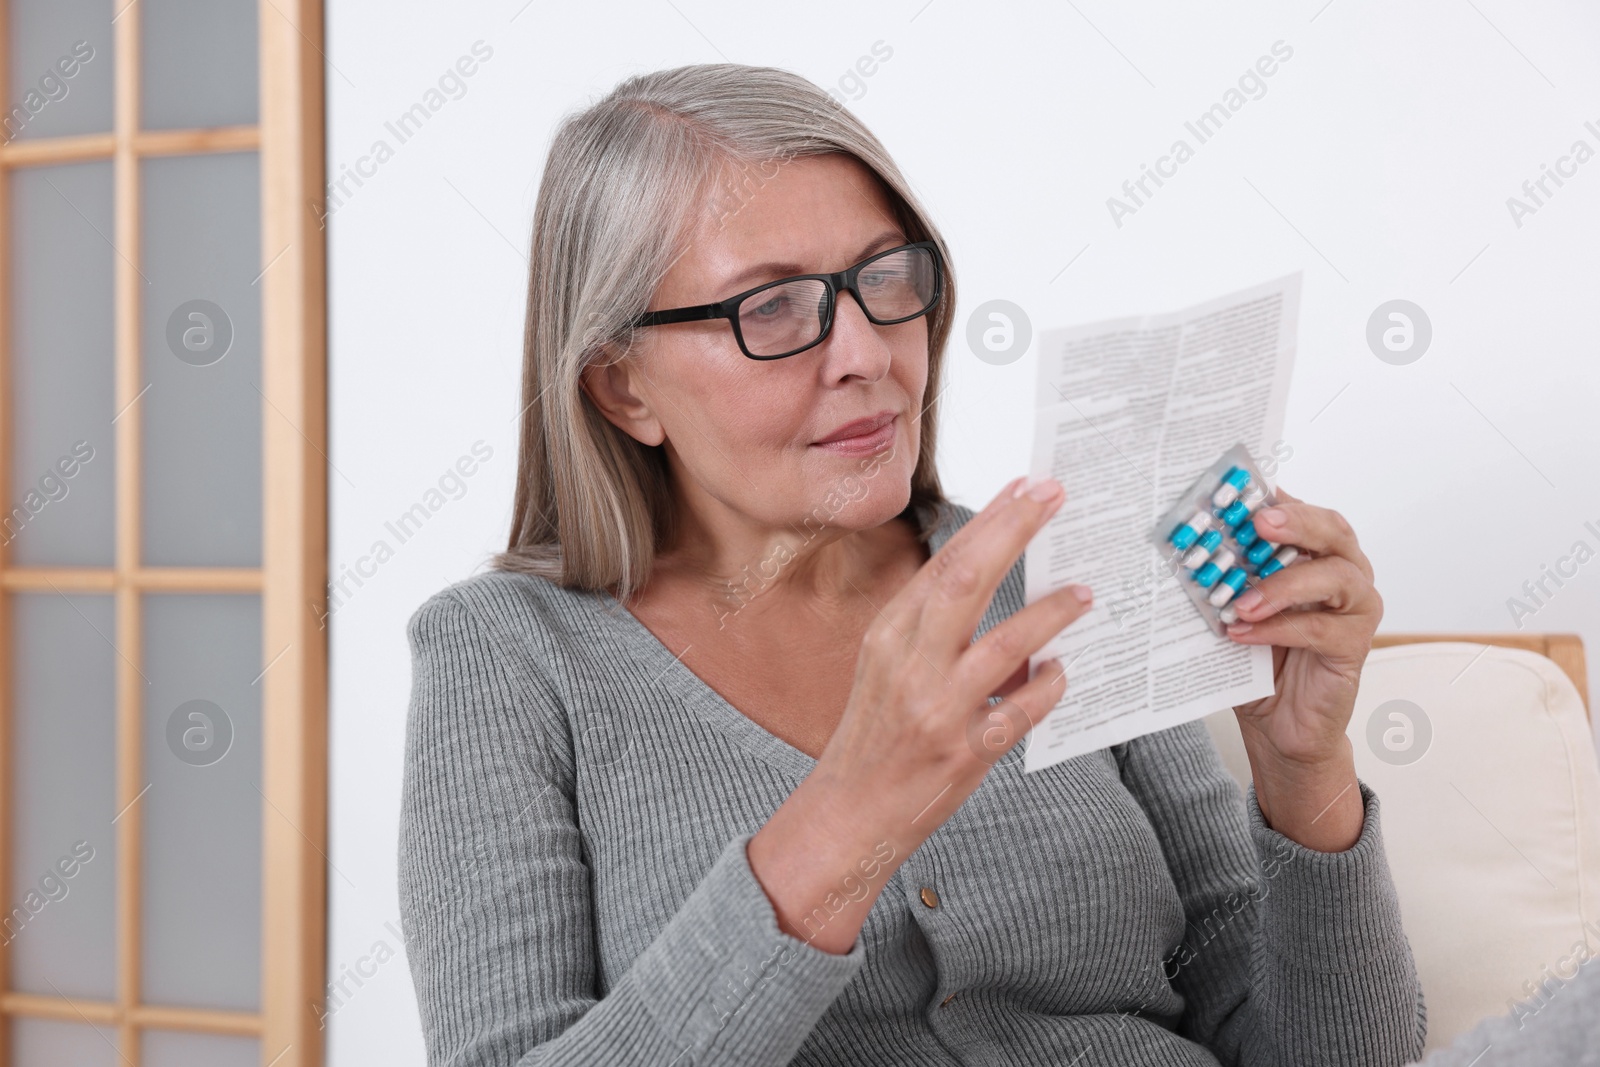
1209,540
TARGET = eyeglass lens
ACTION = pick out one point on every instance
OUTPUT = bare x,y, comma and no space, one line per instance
784,317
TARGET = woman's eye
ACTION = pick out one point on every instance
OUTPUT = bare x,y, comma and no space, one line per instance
768,307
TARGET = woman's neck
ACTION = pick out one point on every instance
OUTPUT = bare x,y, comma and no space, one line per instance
738,562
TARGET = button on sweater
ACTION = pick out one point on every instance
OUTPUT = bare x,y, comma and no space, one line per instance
575,889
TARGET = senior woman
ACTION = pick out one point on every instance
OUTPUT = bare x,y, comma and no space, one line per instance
710,768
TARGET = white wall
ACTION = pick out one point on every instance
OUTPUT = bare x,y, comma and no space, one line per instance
1379,161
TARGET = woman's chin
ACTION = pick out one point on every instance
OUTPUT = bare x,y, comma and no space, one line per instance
859,500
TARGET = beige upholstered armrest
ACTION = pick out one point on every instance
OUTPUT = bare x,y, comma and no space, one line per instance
1566,650
1480,752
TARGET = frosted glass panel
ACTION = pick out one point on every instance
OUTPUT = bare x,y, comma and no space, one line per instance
199,62
60,68
46,1043
62,439
202,815
202,358
61,929
164,1049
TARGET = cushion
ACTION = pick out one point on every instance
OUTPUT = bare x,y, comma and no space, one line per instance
1485,767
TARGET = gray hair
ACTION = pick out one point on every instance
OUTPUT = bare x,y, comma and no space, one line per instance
622,184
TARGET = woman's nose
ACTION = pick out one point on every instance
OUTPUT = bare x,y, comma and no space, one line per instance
855,345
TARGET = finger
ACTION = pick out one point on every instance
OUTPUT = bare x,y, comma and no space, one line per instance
1341,642
992,660
993,731
1336,638
906,605
1332,583
1017,679
1321,531
1328,607
964,574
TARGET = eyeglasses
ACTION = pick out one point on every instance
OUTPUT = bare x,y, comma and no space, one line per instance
790,315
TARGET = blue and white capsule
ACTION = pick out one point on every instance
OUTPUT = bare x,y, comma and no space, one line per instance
1203,548
1253,498
1285,556
1186,534
1234,513
1257,553
1246,533
1233,483
1227,588
1207,575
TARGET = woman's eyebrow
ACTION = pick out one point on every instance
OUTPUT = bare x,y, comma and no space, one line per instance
887,239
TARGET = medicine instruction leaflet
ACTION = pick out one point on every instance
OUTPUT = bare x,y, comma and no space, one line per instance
1128,412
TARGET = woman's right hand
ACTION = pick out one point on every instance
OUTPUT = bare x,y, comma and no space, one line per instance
917,735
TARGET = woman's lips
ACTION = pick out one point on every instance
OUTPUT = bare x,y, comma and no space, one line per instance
866,443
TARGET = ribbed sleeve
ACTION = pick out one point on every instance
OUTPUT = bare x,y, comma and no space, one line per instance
496,896
1289,955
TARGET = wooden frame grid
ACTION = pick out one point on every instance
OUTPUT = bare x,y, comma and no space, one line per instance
292,579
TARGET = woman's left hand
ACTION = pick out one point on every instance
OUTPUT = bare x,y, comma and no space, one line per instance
1319,614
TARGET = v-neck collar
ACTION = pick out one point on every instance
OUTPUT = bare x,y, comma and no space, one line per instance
667,667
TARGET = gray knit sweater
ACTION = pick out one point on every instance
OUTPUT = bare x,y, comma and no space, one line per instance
574,886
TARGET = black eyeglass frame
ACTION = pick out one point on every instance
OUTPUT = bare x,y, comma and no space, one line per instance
841,281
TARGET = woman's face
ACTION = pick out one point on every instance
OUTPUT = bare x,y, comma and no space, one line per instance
741,435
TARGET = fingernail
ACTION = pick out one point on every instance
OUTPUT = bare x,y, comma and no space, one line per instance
1248,602
1239,628
1272,516
1040,489
1022,485
1083,593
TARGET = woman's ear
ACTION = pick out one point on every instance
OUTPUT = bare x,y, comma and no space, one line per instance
613,386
